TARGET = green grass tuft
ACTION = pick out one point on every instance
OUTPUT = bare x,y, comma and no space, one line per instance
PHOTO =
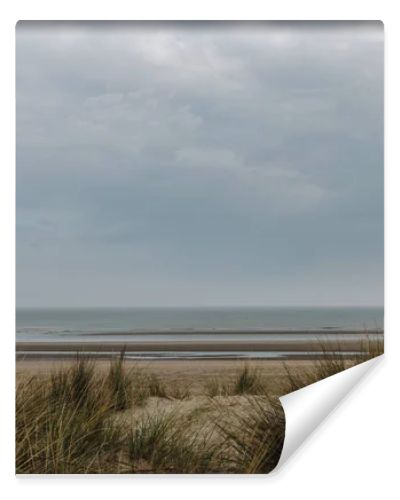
247,382
119,384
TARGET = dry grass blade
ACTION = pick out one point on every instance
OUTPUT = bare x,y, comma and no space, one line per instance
63,424
254,438
119,384
165,443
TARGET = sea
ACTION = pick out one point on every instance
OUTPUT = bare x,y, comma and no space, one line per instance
212,323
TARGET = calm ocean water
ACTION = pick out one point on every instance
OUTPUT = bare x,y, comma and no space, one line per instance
106,323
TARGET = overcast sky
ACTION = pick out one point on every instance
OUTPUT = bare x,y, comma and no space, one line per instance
199,164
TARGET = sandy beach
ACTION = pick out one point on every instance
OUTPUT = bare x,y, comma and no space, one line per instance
192,374
171,370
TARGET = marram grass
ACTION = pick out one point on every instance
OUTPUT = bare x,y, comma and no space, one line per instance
80,420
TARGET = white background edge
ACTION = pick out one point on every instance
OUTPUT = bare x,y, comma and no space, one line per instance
307,408
355,451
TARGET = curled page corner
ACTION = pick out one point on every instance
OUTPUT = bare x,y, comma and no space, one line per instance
308,407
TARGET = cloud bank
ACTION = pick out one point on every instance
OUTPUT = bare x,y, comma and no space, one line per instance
199,164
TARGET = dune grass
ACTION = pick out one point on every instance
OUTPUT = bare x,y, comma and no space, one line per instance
371,346
167,443
246,381
81,420
63,424
332,362
255,436
217,387
119,384
75,421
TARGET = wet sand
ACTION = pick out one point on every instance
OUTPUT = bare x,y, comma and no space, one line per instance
312,342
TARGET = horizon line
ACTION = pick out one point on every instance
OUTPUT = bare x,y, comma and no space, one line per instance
207,306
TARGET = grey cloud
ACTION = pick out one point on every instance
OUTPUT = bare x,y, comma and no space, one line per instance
213,163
